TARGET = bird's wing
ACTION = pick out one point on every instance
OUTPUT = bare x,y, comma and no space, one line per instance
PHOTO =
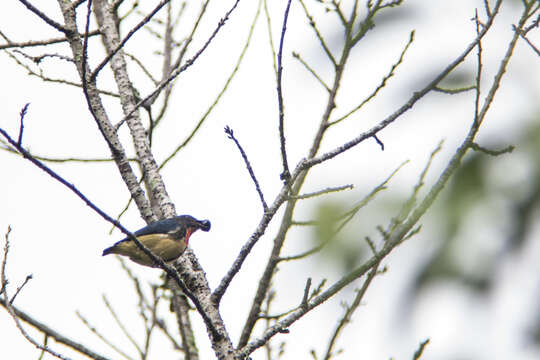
159,227
161,245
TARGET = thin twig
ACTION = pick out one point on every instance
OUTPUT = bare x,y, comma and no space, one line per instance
3,276
219,96
53,80
339,12
285,175
246,248
153,323
453,91
28,278
121,325
270,38
311,70
379,142
381,85
319,36
304,302
347,216
346,318
535,49
408,205
22,114
39,58
113,52
323,191
182,68
142,67
100,336
6,303
167,68
230,135
44,17
32,43
478,69
418,353
479,148
63,160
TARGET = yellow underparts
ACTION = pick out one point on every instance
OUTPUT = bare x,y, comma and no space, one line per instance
160,244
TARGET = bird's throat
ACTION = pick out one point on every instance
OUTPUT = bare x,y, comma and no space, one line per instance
189,231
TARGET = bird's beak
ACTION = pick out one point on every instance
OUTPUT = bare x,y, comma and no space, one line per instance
205,225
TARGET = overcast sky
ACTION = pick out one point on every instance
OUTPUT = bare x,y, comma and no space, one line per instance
59,240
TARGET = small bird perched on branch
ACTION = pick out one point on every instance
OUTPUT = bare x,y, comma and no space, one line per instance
167,239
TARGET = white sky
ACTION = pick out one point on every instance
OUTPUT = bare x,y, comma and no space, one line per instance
59,240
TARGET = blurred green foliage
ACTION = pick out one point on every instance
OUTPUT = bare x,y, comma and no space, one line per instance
337,245
474,187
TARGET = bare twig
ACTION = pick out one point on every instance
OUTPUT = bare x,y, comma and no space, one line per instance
311,70
347,216
246,248
62,160
339,12
453,91
3,276
219,96
28,278
153,323
412,200
270,37
478,69
346,318
418,353
285,175
181,308
535,49
182,68
380,86
304,302
33,43
319,36
42,76
100,336
167,53
379,142
142,67
324,191
507,149
44,17
121,325
39,58
230,135
125,40
486,7
22,114
7,304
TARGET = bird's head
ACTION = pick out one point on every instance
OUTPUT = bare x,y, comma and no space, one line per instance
191,225
190,222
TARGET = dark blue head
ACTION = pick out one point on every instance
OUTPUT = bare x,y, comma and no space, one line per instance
190,222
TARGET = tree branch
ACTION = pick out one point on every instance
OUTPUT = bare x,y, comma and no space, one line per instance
285,175
230,135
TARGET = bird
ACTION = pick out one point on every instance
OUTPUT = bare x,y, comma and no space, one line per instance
166,238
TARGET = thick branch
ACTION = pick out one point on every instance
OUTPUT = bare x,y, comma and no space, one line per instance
98,112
